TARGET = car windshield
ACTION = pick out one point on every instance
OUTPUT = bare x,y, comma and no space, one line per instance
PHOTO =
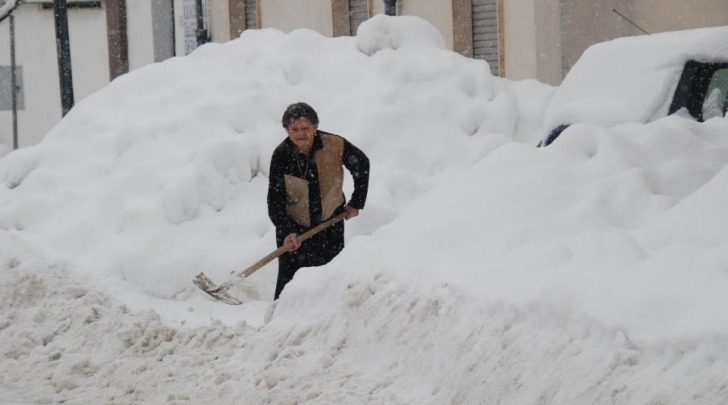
716,97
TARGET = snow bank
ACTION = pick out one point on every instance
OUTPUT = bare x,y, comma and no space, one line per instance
163,173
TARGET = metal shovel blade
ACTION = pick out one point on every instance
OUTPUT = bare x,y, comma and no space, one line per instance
219,293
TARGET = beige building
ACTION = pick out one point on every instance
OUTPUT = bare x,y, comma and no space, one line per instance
520,39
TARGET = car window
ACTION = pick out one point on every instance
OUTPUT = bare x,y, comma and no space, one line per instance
701,91
716,97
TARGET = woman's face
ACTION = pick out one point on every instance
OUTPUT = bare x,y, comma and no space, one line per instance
301,132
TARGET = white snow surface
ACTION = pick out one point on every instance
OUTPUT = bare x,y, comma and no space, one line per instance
482,270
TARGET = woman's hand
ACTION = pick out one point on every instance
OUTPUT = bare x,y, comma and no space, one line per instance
292,240
351,212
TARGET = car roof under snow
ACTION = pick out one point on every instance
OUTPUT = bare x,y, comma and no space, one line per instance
631,79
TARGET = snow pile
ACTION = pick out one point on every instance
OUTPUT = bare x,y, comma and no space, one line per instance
379,34
483,269
173,158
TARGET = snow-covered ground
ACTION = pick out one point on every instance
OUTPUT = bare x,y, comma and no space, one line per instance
483,270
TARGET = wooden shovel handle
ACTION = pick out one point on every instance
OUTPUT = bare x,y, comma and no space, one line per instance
288,246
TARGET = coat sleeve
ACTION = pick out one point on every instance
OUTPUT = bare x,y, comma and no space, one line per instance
277,197
357,163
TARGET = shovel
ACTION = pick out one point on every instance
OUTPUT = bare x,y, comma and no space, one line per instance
220,292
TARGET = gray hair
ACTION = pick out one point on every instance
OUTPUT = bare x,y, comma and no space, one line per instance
298,111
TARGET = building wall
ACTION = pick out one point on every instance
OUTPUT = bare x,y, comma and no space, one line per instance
139,33
587,22
35,48
544,38
288,16
548,48
220,21
669,15
36,53
519,30
436,12
163,29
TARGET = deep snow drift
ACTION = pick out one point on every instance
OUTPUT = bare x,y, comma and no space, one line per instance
482,270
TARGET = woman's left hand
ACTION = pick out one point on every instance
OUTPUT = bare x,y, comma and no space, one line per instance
351,212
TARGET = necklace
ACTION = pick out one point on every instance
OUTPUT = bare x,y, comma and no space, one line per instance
302,171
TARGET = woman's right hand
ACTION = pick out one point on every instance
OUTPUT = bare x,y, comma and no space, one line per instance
292,240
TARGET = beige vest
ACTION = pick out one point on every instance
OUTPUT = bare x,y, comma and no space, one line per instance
329,161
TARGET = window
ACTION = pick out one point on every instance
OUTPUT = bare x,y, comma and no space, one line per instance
196,23
715,102
358,13
702,90
485,33
251,14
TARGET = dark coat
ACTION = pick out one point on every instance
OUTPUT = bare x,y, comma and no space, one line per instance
288,162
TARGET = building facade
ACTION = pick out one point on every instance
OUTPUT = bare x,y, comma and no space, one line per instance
520,39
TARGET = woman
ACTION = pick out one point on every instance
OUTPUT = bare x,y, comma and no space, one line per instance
306,188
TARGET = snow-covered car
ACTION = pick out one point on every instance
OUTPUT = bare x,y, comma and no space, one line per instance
641,79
